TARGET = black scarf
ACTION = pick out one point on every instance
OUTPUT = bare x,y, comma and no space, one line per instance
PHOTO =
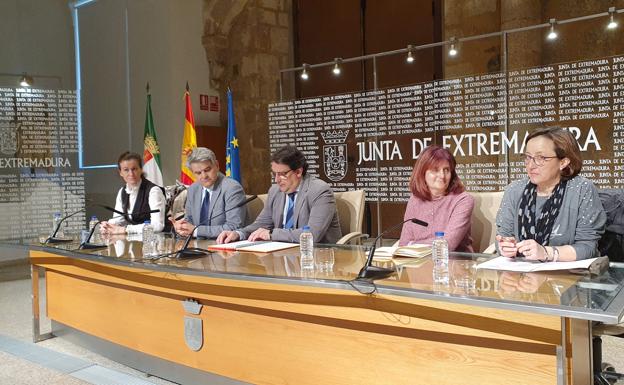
527,225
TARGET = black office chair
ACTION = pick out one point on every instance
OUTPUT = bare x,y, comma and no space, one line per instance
612,245
604,372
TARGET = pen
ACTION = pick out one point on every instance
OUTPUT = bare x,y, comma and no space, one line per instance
524,259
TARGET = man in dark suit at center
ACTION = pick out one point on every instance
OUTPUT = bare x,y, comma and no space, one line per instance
297,199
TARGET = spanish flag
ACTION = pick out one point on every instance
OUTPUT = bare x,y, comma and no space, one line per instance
189,141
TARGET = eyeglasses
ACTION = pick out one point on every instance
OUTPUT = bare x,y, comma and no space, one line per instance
280,174
539,160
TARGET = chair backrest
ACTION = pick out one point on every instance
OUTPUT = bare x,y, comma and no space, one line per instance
350,206
611,243
255,207
179,201
484,218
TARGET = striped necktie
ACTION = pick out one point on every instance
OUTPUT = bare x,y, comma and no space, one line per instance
288,224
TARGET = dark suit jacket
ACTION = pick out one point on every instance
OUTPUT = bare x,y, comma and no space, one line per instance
226,194
315,206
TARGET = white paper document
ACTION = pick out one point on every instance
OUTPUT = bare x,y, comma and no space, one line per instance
510,264
255,247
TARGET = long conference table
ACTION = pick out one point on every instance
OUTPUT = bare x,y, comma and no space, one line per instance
241,317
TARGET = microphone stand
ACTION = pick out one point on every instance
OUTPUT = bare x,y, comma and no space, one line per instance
124,215
52,238
87,245
174,233
194,252
191,252
370,272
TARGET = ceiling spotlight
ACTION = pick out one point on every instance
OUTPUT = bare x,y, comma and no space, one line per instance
304,73
410,54
552,35
612,24
336,69
453,50
26,81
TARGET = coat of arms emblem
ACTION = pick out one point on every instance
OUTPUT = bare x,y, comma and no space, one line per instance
8,137
193,327
335,154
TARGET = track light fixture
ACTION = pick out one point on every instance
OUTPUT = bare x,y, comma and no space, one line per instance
612,24
452,44
26,81
304,73
552,35
337,62
452,51
410,54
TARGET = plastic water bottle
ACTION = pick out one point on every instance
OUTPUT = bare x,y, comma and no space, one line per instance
306,245
92,223
440,256
149,239
55,223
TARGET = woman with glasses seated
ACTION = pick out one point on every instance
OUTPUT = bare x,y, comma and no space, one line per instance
438,198
554,214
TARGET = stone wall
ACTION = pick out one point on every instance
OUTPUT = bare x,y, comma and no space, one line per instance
469,18
577,41
247,42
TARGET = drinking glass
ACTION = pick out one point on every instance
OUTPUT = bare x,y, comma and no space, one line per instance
84,235
464,273
324,259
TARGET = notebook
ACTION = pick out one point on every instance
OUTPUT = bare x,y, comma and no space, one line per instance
412,251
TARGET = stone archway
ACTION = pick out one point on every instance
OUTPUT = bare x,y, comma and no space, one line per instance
247,42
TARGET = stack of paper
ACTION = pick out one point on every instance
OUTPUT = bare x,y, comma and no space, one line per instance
411,251
254,247
524,266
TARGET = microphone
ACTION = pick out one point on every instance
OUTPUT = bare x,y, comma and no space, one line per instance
52,238
194,252
123,214
87,245
370,272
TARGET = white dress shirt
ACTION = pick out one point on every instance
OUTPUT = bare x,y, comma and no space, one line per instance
156,200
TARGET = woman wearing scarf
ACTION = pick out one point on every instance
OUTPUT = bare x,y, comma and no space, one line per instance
554,214
135,199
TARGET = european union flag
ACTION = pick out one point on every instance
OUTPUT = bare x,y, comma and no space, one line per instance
232,158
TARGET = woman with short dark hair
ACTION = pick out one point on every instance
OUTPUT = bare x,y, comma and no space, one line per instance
135,199
438,197
554,214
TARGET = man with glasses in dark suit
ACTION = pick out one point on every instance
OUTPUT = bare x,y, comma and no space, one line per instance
297,199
